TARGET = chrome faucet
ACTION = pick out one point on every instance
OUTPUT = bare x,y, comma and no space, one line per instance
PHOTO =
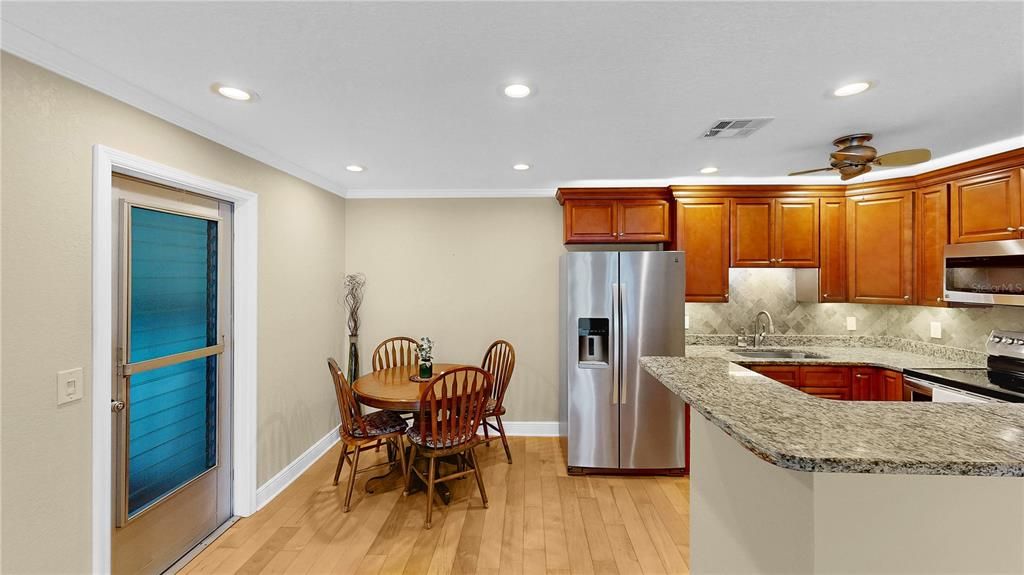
760,327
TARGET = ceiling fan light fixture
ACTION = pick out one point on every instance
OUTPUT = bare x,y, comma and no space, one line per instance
851,89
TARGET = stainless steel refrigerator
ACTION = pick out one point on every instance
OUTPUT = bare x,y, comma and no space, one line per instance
616,307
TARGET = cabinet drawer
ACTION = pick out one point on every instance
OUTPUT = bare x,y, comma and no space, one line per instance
788,374
826,377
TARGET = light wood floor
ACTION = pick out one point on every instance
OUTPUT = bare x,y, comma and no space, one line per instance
540,521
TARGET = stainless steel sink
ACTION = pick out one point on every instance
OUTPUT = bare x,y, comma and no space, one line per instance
777,354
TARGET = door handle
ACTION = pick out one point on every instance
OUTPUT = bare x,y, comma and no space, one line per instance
622,357
117,406
615,341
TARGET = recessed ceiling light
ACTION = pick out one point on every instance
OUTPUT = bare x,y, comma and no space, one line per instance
521,167
851,89
517,90
354,168
233,93
708,170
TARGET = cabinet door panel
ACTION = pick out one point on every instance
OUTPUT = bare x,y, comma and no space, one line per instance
832,277
796,233
836,393
751,231
643,221
892,385
702,231
930,237
986,207
589,221
880,248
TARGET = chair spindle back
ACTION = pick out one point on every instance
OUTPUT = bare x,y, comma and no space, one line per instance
499,361
351,417
396,352
452,405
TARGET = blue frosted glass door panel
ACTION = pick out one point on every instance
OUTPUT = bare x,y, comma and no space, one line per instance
173,284
172,424
172,410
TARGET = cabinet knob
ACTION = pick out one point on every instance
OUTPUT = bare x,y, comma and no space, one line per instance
938,299
726,295
1020,228
825,295
906,297
1011,229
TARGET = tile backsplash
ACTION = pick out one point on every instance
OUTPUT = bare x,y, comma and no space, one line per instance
774,290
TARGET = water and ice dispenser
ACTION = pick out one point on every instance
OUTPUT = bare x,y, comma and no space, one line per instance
593,342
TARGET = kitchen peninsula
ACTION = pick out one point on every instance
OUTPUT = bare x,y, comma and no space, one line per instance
785,482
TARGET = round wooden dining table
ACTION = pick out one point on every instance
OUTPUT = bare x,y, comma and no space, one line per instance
392,389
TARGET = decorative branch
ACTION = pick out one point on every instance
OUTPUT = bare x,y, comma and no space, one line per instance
354,286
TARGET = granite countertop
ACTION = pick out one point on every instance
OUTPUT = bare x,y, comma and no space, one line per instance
794,430
888,358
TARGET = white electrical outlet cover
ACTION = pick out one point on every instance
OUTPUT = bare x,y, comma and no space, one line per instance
69,385
851,323
686,321
936,329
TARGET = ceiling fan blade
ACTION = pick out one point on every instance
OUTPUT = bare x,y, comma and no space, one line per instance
904,157
811,171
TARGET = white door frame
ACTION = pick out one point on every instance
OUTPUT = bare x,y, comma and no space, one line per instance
107,162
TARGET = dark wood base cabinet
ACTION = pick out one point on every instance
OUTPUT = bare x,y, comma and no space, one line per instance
845,383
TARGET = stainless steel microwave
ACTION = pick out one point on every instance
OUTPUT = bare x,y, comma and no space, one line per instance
985,273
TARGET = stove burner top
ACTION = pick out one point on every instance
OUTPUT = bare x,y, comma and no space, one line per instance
998,384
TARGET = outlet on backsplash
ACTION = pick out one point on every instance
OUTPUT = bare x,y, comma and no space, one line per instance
851,323
936,330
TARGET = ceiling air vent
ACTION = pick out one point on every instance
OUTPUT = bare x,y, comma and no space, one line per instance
740,128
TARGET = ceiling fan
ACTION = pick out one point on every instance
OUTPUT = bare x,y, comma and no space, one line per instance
854,157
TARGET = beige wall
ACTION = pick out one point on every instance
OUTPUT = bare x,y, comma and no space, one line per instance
465,272
49,127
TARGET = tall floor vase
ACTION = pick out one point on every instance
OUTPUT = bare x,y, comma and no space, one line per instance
353,358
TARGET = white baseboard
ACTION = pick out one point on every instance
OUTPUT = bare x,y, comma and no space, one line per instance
531,428
272,488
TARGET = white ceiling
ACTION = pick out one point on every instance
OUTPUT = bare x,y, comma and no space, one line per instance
622,90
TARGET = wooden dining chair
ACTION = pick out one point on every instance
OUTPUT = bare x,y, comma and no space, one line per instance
499,361
451,408
395,352
360,432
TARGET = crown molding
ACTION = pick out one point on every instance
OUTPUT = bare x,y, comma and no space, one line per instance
28,46
399,194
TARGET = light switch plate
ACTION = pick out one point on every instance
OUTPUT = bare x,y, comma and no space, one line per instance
686,321
936,329
851,323
69,385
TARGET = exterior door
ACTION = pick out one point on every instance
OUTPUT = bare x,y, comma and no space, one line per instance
171,386
652,425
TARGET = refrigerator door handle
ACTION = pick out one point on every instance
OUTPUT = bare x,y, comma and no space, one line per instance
616,337
623,330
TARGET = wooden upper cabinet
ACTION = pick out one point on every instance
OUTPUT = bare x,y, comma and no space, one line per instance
616,215
832,277
986,207
644,221
752,236
796,233
590,221
780,232
880,248
931,219
702,231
